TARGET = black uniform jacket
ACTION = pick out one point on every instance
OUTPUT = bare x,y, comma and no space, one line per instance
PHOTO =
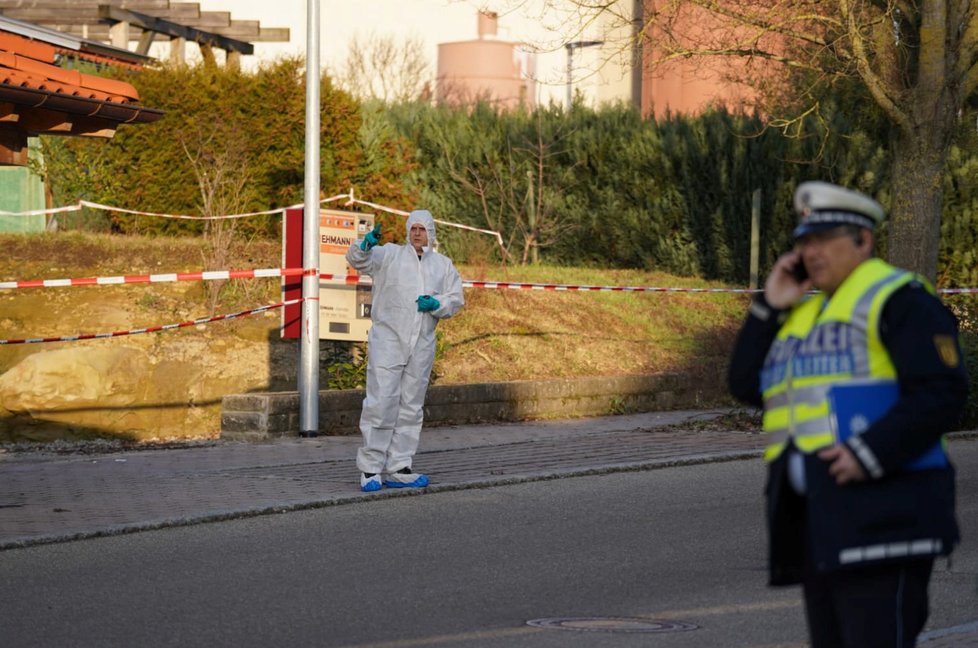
883,514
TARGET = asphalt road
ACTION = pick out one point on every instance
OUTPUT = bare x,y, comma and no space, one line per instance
679,550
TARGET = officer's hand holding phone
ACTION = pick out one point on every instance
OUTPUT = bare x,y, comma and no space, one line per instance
800,272
788,281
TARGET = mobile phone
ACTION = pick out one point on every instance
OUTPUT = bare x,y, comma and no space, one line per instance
800,272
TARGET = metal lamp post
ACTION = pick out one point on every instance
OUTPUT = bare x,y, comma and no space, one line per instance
308,379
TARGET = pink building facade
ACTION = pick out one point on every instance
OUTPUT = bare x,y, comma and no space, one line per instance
486,68
690,86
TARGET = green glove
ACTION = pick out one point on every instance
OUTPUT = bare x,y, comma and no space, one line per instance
427,303
371,239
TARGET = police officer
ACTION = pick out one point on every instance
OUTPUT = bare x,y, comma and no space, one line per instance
857,522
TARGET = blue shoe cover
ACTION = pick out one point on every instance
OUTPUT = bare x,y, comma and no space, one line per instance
371,485
416,481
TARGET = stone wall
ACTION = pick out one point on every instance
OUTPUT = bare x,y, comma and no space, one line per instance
265,415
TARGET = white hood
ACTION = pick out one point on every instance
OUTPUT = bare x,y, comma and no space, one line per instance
424,217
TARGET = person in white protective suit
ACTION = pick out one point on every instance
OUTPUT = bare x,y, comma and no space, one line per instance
413,288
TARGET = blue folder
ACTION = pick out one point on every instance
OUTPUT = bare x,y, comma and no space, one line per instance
856,406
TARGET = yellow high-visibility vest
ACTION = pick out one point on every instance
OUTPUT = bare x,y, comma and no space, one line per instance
823,342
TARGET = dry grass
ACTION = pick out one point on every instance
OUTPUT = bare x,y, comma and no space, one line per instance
509,334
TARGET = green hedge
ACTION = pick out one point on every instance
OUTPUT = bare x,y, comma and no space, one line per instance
576,186
245,129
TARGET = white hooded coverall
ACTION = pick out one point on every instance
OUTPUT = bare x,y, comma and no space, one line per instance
401,343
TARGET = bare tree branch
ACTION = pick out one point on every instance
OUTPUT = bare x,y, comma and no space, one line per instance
380,67
220,164
874,84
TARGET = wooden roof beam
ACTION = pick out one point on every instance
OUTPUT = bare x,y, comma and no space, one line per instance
39,120
145,41
210,20
8,112
111,14
82,13
13,145
263,35
259,35
140,5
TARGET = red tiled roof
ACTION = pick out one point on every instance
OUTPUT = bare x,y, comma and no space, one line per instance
26,47
29,78
27,63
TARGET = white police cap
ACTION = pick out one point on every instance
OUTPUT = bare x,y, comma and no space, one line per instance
821,205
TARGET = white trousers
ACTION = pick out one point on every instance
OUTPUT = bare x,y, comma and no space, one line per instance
393,411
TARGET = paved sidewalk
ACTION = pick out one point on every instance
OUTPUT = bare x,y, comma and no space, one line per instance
47,497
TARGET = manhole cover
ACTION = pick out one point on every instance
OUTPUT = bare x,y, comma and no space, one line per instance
631,625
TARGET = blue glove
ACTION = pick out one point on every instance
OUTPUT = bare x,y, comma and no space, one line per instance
427,303
371,239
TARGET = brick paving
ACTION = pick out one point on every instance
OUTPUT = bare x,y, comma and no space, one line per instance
52,498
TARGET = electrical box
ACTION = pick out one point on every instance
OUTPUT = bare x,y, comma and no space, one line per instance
344,307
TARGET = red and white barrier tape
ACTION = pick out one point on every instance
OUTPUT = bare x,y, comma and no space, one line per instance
214,275
210,275
346,279
43,212
585,288
350,200
86,203
155,329
267,212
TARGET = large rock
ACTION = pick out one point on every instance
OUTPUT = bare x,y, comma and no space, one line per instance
115,391
76,391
